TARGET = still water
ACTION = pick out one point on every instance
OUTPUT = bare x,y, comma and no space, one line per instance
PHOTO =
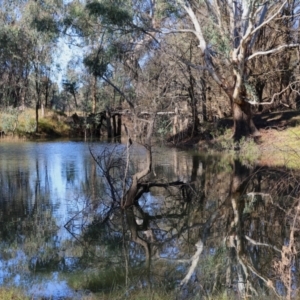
203,225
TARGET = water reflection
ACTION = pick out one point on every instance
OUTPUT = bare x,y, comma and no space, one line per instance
201,226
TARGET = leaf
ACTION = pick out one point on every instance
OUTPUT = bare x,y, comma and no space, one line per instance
110,13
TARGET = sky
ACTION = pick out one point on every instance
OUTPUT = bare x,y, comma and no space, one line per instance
63,55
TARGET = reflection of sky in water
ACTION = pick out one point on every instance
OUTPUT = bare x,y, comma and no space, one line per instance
53,287
59,170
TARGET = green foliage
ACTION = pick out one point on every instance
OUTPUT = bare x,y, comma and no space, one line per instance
14,44
46,24
53,127
246,149
98,280
9,120
70,86
163,127
97,63
8,42
28,125
166,9
251,92
219,41
112,13
78,20
24,123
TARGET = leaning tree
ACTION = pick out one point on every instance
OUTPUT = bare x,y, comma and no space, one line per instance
227,32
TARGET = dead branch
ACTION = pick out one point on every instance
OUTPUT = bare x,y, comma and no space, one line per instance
199,245
261,244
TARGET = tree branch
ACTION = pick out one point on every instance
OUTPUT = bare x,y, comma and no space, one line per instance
119,91
194,260
261,244
270,19
259,53
274,96
261,19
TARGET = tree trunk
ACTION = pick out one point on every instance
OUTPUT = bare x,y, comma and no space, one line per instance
114,126
175,122
75,100
202,85
133,227
193,99
131,194
43,110
243,124
195,119
119,125
108,125
37,117
47,90
94,94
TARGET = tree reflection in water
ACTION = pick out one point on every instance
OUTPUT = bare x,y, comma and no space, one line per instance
230,228
193,226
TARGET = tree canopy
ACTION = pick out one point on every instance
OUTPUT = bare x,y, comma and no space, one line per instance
194,60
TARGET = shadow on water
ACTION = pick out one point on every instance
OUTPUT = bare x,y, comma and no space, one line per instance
200,227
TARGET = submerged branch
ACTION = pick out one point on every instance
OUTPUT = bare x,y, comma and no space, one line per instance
261,244
194,260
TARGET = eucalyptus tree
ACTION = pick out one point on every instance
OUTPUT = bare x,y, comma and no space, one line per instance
113,22
276,74
227,32
15,45
114,35
229,36
72,88
44,29
110,33
28,35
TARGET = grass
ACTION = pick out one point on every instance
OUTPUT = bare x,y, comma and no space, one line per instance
132,294
160,294
140,294
281,148
276,147
98,280
12,294
22,124
247,150
54,125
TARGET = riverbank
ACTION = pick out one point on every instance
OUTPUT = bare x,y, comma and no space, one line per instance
278,145
16,124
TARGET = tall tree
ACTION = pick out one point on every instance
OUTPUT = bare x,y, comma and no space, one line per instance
41,21
227,33
28,35
15,45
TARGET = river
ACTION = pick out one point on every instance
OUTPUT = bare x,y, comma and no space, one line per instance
204,224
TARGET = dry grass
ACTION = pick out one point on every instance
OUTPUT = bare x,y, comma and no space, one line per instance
12,294
52,124
281,148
